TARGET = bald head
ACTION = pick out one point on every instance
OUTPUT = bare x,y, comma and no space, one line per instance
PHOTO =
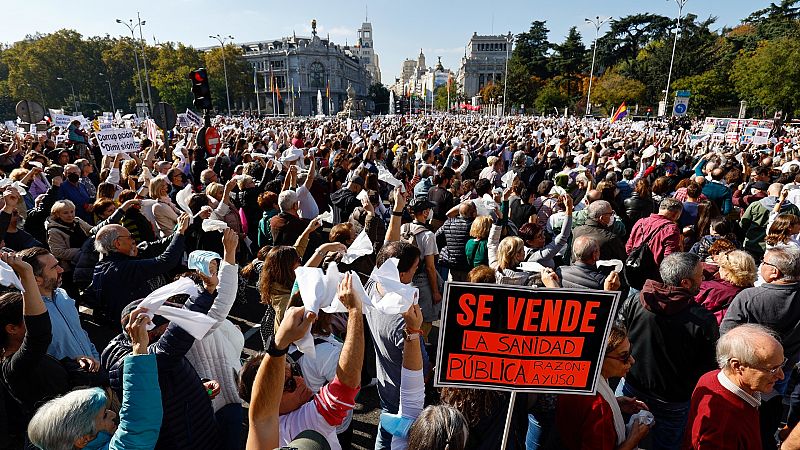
717,174
775,189
751,345
593,196
105,238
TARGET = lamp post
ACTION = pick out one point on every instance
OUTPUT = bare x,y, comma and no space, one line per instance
110,93
221,40
681,4
41,93
510,39
74,99
144,59
597,24
132,27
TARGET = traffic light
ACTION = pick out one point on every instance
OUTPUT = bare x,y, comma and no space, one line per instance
200,89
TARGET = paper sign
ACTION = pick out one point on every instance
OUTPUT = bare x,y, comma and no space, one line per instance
523,339
61,120
11,125
116,140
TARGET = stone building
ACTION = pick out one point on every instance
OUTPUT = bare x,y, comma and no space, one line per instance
484,62
365,51
300,67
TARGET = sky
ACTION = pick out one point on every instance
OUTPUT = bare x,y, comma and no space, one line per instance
400,29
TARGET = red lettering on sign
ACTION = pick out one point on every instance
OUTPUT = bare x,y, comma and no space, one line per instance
464,302
589,315
514,312
530,314
483,311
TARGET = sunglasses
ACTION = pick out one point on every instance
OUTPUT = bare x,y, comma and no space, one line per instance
290,385
624,358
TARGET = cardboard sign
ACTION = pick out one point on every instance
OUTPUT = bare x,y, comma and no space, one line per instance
523,339
116,140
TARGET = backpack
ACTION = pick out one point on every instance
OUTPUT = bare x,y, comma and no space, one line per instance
641,263
409,233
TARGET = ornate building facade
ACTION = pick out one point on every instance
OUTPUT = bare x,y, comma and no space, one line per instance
484,62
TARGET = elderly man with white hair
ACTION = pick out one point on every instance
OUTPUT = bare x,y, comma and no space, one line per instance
724,407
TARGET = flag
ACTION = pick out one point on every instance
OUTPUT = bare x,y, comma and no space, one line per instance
277,90
255,80
622,111
328,89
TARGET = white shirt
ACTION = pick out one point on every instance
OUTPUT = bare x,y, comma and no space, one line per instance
752,400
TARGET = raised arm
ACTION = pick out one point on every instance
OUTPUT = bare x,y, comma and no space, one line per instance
393,230
352,356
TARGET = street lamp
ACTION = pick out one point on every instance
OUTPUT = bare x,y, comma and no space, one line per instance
110,93
135,56
74,99
510,39
680,3
597,24
41,93
221,40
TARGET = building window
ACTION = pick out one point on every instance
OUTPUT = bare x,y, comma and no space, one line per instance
316,75
366,34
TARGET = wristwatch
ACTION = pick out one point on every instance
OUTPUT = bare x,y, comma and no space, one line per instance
273,350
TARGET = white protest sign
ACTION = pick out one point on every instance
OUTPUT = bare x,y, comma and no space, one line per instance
194,117
116,140
11,125
105,125
365,126
183,121
61,120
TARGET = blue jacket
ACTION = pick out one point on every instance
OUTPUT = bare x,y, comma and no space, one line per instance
719,194
141,412
120,279
188,421
69,338
78,195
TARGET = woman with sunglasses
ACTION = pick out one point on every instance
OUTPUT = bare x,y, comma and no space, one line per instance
596,422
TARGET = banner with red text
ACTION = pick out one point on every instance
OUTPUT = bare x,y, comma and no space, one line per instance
517,338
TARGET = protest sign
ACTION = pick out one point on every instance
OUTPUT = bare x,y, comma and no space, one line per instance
183,121
11,125
523,339
116,140
61,120
194,117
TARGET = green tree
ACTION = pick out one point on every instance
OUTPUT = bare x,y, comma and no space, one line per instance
627,36
531,49
240,76
770,76
440,95
612,89
120,68
379,95
776,20
710,89
169,74
490,91
569,60
550,96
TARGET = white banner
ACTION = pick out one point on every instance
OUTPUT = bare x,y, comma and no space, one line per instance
194,117
108,117
116,140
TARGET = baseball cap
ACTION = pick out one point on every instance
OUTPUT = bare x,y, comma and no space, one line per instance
309,440
419,204
760,185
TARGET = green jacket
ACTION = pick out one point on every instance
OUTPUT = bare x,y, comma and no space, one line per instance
755,220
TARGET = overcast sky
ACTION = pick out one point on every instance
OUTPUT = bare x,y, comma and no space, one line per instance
440,28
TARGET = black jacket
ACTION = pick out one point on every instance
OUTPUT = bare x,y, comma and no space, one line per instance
673,340
611,246
188,415
343,202
637,207
34,222
455,234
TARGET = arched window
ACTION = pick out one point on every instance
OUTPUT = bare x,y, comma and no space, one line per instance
316,75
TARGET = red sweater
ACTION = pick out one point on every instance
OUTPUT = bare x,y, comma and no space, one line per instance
585,422
718,419
667,240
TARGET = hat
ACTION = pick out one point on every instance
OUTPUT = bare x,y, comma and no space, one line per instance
760,185
199,260
357,180
309,440
419,204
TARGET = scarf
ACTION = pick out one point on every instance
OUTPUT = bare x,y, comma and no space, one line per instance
607,393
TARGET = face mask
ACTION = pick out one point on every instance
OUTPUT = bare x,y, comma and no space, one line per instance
73,177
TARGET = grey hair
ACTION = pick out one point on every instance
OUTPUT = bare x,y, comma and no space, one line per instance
670,205
739,343
104,239
677,267
286,200
59,422
585,247
598,208
628,173
785,259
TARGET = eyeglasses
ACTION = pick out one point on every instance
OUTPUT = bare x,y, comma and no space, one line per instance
771,265
774,370
624,358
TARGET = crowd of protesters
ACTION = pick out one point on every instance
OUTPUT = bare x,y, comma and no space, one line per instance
156,244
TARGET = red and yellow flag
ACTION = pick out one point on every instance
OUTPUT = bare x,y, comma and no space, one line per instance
328,89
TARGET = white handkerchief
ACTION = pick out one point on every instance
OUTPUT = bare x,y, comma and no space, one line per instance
214,225
531,266
615,263
387,177
398,296
9,278
361,246
182,199
195,323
